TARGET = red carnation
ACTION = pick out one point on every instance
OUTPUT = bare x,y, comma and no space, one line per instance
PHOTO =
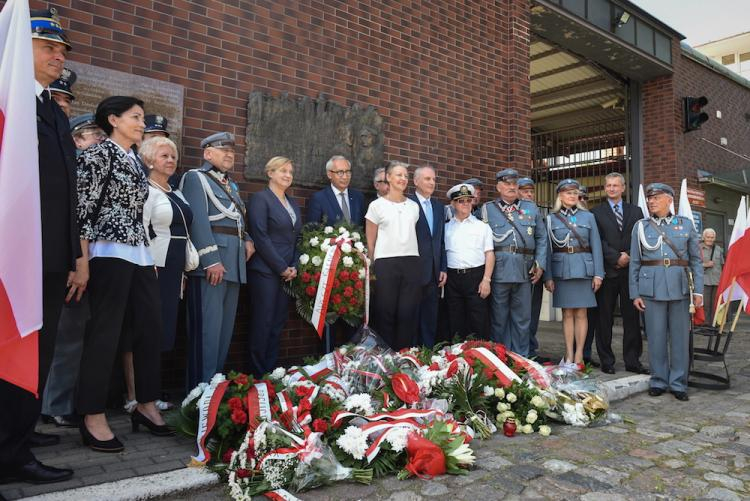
358,284
405,388
304,405
320,425
242,473
227,456
239,416
344,275
316,277
310,290
303,391
348,292
343,310
336,283
235,403
353,301
306,277
336,299
241,380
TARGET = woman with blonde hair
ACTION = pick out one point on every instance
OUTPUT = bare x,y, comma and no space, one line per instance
577,267
275,225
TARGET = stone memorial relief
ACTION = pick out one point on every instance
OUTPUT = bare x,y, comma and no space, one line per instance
159,97
310,131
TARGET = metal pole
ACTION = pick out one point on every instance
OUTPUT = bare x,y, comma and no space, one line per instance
329,341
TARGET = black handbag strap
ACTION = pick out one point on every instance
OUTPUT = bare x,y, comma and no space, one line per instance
510,221
666,239
572,229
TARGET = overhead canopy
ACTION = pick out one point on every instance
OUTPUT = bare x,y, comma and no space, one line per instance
738,180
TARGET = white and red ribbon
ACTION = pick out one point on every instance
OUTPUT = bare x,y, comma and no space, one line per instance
208,406
502,371
535,370
281,495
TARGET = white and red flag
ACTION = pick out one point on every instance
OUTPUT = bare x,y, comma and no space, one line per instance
20,220
734,283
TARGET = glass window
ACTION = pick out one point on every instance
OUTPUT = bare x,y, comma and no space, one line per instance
645,37
600,13
663,47
577,7
726,60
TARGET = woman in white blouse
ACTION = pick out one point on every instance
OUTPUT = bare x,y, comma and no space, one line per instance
392,244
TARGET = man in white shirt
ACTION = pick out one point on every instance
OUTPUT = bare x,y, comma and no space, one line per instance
471,259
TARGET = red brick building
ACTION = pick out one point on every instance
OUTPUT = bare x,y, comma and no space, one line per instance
555,88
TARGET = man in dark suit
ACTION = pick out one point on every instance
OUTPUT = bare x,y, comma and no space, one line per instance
19,409
337,202
615,219
434,267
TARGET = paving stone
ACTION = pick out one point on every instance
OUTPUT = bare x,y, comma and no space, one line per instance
675,448
525,472
725,480
718,431
603,496
405,496
494,463
557,466
723,494
587,482
433,488
649,432
674,463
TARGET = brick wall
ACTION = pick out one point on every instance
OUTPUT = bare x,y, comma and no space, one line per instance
450,78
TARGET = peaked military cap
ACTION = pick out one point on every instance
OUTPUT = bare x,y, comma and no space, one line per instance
659,188
463,190
156,123
45,25
525,181
218,140
582,190
507,175
568,184
472,181
84,121
65,83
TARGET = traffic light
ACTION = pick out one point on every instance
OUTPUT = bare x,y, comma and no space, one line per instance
694,116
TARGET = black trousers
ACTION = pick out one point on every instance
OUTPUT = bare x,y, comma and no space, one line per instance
19,409
467,311
632,346
114,286
396,296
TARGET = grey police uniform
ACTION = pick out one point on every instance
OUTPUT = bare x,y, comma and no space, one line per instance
516,252
658,276
218,233
574,262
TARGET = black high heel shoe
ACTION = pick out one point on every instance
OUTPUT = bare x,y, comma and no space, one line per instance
111,445
159,430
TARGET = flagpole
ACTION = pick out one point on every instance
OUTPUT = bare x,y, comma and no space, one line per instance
726,305
736,317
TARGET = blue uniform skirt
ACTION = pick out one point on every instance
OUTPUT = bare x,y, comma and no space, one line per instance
573,293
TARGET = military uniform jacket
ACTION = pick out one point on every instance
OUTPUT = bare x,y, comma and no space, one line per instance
213,208
664,283
513,267
565,265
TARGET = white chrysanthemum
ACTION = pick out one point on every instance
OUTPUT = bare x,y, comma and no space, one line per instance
362,274
538,402
218,378
346,248
353,442
304,259
334,393
278,373
499,393
194,394
328,230
348,261
359,402
511,397
488,391
259,437
397,437
356,236
545,430
359,246
316,261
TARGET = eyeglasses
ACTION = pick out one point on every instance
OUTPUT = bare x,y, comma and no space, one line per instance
341,173
95,134
380,181
463,201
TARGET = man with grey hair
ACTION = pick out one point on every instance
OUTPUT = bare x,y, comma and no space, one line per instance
379,182
337,202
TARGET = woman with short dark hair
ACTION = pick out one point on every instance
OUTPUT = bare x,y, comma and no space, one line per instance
112,190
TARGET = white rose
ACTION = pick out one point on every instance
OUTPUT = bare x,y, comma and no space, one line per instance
502,407
488,391
537,402
328,230
342,229
359,246
545,430
278,373
304,259
499,392
527,428
316,261
348,261
362,274
511,397
314,241
531,418
356,236
346,248
325,246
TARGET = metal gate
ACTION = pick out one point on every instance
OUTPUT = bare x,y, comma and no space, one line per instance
586,153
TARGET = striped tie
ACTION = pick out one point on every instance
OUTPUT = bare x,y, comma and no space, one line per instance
618,216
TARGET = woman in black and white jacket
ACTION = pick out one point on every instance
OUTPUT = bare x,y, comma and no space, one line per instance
112,190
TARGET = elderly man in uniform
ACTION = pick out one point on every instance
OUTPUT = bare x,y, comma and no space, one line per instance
156,126
61,254
219,233
337,202
520,240
471,259
62,90
664,250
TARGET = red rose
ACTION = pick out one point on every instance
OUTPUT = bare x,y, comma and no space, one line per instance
348,292
344,275
227,456
235,403
320,425
242,473
241,380
306,277
452,369
426,459
343,310
336,283
358,284
316,277
353,301
310,290
405,388
336,299
239,416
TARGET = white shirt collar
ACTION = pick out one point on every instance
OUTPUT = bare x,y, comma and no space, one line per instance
421,199
338,192
39,88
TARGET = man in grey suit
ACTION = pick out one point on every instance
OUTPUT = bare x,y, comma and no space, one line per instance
219,233
664,250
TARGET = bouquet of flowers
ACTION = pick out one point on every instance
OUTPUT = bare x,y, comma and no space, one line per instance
578,400
342,274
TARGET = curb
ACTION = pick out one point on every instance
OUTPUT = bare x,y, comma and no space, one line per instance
624,387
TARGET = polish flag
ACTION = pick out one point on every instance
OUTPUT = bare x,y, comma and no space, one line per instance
20,219
734,283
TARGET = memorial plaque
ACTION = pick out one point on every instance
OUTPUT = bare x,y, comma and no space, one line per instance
310,131
159,97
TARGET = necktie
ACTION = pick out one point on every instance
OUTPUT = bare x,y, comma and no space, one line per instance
428,213
618,216
345,208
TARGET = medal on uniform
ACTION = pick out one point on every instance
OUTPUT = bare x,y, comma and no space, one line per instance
572,219
529,230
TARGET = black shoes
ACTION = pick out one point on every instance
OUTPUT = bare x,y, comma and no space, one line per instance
67,421
36,473
159,430
111,445
638,370
655,392
42,439
682,396
608,369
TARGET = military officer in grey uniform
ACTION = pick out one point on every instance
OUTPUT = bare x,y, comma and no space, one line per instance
520,241
665,248
219,233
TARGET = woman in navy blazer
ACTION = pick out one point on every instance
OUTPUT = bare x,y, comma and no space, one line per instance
275,227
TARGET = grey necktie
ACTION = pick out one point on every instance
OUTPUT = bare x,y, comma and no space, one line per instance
345,207
618,216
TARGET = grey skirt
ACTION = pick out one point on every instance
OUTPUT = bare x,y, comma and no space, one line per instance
573,293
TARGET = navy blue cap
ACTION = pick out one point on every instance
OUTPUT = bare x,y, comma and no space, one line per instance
64,84
473,182
659,188
583,190
525,181
84,121
507,175
568,184
45,25
218,140
463,190
156,123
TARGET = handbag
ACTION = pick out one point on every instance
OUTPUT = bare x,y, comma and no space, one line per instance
192,259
